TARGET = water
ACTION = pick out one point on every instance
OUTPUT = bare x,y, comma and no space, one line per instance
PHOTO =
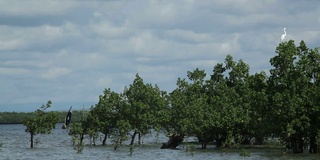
58,145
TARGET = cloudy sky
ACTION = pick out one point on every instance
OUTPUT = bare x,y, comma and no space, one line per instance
70,51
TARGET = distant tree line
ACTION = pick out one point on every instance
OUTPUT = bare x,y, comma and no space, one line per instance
231,106
18,117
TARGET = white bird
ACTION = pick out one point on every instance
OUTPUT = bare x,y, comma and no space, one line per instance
283,35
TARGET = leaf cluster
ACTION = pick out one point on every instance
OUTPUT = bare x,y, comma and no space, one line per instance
43,122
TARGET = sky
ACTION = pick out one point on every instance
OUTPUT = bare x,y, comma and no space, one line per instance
70,51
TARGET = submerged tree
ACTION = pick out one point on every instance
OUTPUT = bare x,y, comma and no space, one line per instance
106,112
190,112
228,102
294,94
42,123
120,133
259,125
88,125
145,103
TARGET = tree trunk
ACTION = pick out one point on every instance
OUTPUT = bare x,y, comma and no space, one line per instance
297,144
105,138
81,138
133,136
220,141
31,139
204,140
259,140
139,138
314,148
173,142
204,145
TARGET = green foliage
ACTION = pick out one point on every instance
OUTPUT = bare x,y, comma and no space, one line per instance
107,112
76,131
145,104
120,133
190,149
229,108
42,123
131,150
293,86
88,125
245,153
190,112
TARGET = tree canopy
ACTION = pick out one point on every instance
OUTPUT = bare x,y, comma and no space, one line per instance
42,123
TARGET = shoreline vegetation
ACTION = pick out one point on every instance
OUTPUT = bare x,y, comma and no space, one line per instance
18,117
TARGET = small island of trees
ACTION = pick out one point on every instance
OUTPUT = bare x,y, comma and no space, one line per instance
230,107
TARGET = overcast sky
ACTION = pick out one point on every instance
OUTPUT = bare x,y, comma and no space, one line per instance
70,51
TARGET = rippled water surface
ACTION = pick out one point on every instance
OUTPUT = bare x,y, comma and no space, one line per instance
15,145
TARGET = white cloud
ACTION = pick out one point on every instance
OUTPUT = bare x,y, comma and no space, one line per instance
104,82
231,45
51,32
34,7
308,36
13,71
26,63
75,49
10,45
204,64
107,30
188,35
56,72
